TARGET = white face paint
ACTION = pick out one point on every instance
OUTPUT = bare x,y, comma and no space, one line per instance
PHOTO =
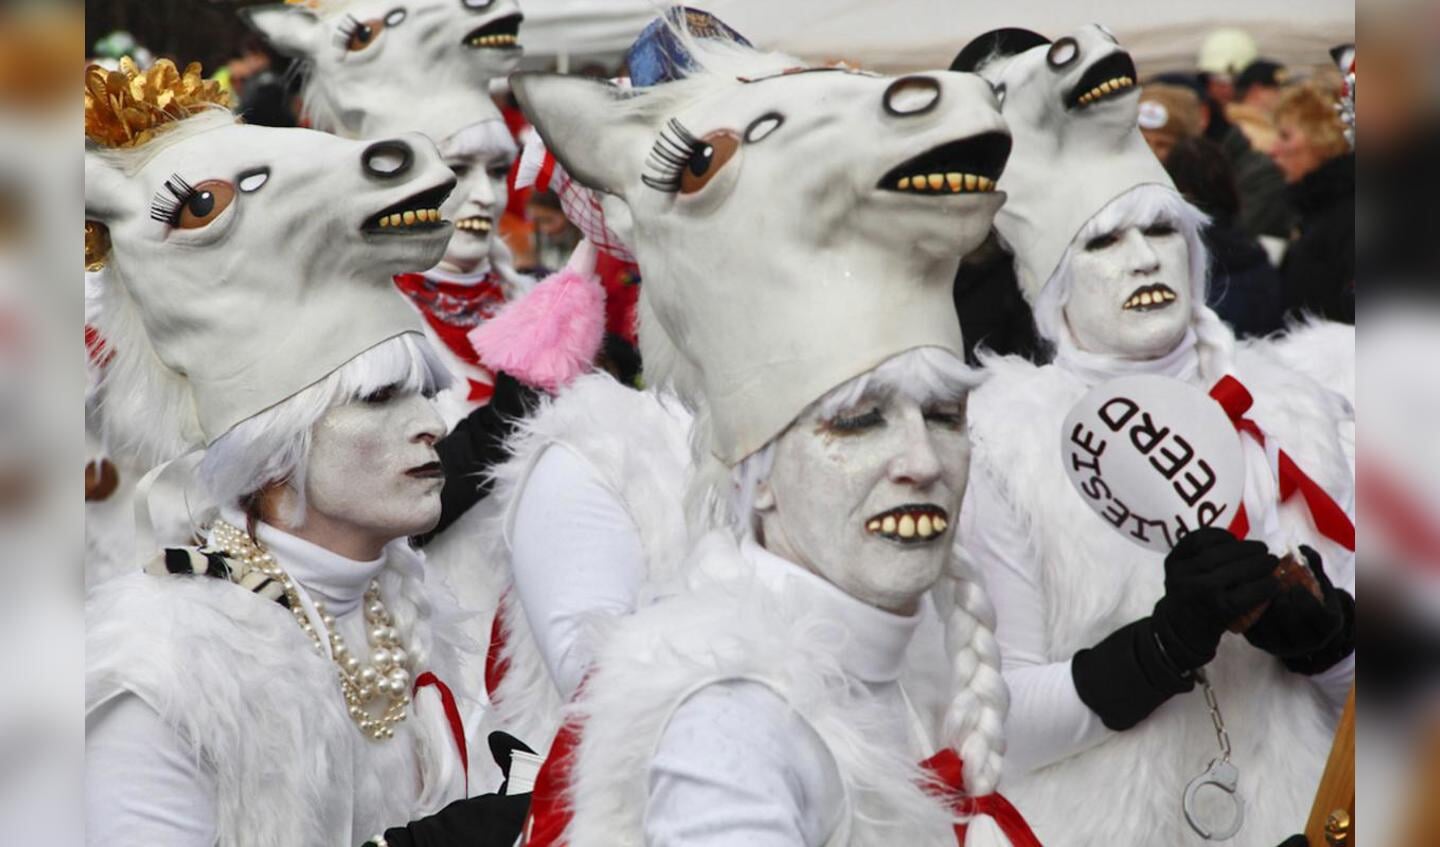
1130,292
373,468
482,195
866,499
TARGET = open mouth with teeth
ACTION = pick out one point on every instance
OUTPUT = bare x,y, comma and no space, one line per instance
477,224
968,166
500,33
415,213
1148,298
914,523
1112,76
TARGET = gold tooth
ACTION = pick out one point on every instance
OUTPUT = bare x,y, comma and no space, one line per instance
924,527
384,222
409,217
987,184
887,526
906,528
1145,299
917,182
936,180
972,182
873,526
903,183
1104,88
395,219
955,180
939,524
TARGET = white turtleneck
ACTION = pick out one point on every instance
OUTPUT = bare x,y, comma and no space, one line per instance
144,784
737,765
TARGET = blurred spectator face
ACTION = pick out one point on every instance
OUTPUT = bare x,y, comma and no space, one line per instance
1293,153
548,221
1309,131
1220,88
1261,97
1160,142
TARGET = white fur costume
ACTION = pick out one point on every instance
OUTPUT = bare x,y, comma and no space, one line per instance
725,627
637,446
235,678
1125,788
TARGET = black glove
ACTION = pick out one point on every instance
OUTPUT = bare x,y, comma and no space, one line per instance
1210,579
1295,841
490,820
1308,635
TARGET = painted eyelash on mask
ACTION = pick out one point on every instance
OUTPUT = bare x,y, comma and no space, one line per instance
167,209
346,30
672,151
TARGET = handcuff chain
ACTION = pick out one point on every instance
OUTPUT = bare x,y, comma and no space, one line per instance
1216,719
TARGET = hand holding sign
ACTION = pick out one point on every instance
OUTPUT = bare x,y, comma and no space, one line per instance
1157,459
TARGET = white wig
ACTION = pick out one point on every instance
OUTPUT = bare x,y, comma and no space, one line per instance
1142,206
274,446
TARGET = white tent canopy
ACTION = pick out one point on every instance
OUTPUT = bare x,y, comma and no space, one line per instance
900,35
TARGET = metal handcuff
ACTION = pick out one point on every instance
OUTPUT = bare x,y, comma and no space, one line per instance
1220,773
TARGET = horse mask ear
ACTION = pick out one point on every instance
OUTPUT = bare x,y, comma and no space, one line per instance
293,30
107,191
588,125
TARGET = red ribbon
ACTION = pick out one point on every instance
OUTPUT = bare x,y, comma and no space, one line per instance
452,715
949,775
495,663
1329,518
546,173
549,804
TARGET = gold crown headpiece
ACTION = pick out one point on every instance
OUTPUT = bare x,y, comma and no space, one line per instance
127,107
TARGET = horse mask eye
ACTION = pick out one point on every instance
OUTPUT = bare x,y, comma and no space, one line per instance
706,160
210,199
364,34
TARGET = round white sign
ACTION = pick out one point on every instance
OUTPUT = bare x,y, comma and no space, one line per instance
1154,457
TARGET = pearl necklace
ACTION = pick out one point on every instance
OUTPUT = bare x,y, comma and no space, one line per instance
385,678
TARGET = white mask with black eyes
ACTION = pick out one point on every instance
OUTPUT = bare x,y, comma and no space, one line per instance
867,498
1130,292
1072,106
796,228
266,244
373,470
378,67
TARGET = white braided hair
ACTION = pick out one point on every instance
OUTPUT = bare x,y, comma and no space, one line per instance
974,720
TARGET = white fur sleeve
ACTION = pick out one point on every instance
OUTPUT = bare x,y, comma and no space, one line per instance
575,554
1047,721
737,767
143,784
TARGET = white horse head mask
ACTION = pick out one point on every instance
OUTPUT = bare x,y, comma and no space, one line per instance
1072,106
250,262
378,67
796,227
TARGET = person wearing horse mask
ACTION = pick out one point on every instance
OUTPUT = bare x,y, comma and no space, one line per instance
293,679
757,701
1104,643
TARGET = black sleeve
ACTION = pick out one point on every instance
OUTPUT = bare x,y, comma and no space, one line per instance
476,445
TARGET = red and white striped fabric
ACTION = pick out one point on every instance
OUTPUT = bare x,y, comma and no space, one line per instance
539,168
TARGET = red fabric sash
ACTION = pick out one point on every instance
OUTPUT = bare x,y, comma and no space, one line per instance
949,775
549,809
452,311
1330,519
495,664
452,716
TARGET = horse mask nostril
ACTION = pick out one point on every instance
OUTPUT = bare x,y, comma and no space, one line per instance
912,95
387,159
